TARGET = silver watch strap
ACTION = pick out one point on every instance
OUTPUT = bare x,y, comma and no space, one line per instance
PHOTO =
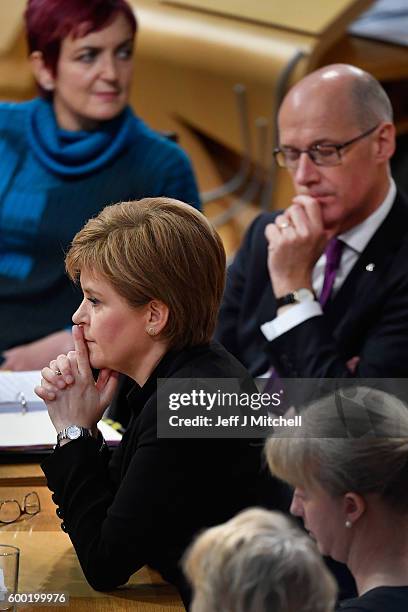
73,432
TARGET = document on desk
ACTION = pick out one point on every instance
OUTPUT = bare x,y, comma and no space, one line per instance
24,420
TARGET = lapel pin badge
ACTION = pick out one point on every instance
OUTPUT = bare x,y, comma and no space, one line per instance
370,267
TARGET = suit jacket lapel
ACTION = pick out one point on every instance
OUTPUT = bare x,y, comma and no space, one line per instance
363,282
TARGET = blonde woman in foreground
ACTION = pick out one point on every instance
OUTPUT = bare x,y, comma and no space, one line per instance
349,466
258,562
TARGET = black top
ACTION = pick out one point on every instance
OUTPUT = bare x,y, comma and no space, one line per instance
380,599
145,505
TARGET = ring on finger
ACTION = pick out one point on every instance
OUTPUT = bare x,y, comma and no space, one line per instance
284,225
58,372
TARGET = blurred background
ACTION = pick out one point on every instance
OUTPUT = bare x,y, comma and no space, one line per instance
214,71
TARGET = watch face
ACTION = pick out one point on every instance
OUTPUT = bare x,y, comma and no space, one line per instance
304,295
73,432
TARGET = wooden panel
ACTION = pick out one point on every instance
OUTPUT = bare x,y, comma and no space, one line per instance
311,17
196,87
11,12
21,475
385,61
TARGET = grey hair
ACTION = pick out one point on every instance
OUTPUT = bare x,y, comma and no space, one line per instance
370,102
353,440
257,562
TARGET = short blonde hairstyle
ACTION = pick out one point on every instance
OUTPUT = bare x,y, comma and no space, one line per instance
157,248
257,562
349,441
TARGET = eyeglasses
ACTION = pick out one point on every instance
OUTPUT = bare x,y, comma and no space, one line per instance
320,154
10,509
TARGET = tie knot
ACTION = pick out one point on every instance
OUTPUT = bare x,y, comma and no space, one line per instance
333,253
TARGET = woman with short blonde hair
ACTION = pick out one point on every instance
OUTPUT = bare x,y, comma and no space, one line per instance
349,466
159,248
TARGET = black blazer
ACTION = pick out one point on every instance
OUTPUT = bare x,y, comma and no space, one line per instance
145,506
378,599
367,318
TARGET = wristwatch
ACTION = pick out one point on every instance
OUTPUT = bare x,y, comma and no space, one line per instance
296,297
73,432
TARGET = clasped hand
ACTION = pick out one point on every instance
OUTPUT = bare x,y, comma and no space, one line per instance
73,397
295,242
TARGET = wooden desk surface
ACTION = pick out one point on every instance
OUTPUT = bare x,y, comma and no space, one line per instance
22,474
48,562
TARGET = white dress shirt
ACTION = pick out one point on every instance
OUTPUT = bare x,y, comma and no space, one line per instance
355,241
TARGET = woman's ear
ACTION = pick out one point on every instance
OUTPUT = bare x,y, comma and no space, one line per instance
354,506
43,75
157,317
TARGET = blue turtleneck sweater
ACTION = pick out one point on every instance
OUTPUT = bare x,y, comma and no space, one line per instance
51,182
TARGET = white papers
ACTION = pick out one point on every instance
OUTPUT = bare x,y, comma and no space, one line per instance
15,386
29,426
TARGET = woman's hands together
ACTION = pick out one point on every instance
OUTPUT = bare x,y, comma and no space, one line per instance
73,397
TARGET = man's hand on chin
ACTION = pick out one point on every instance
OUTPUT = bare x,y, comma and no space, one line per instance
295,242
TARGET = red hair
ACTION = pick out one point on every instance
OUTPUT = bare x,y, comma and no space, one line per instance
48,22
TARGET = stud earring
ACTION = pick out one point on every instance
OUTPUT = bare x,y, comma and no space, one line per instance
48,86
348,524
151,331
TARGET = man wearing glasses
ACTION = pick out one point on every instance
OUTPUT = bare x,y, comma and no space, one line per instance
321,289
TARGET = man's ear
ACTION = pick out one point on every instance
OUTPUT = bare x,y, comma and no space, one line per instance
43,75
158,315
385,142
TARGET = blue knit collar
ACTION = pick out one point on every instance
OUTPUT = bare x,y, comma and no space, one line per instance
76,153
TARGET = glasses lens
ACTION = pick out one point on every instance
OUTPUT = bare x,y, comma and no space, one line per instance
288,158
32,503
325,156
9,511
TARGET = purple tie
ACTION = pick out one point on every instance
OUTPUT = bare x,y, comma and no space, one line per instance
333,252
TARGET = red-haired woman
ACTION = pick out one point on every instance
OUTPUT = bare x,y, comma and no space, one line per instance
65,155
